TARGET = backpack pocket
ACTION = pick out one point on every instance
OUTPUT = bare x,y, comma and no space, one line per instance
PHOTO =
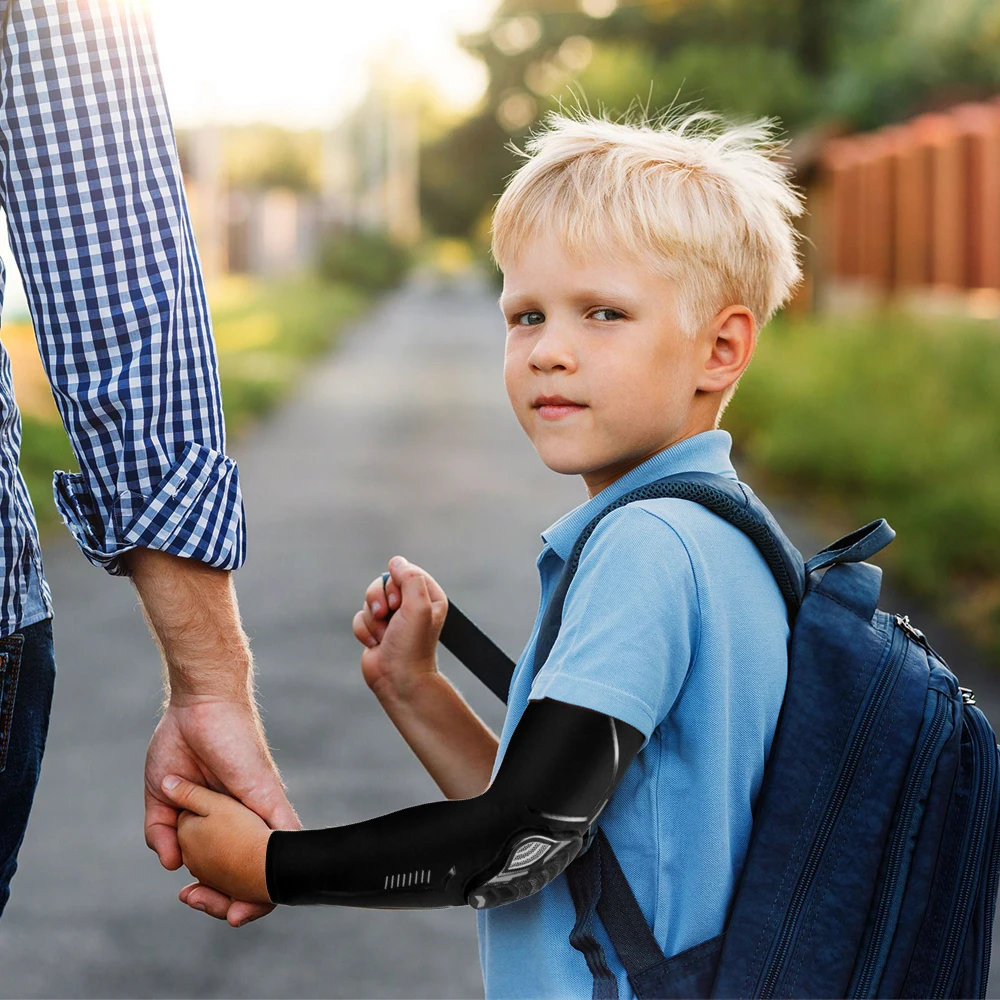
689,973
902,883
952,951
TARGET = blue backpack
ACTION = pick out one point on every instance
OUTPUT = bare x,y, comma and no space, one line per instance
872,868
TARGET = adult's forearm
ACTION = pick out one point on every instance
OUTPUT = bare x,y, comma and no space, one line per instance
192,611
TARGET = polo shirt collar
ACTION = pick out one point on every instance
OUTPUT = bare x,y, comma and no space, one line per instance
705,452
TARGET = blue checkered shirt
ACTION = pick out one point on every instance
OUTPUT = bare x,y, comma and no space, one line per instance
100,230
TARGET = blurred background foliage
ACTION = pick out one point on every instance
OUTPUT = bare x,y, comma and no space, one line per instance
365,260
859,63
268,156
887,416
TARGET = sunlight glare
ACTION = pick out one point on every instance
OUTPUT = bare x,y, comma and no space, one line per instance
304,63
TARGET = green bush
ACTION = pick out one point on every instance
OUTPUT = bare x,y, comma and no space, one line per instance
266,334
891,417
296,316
44,448
367,260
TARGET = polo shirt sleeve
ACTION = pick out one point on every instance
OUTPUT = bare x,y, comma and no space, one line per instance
630,623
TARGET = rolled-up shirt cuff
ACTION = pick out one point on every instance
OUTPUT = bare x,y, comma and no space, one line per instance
195,511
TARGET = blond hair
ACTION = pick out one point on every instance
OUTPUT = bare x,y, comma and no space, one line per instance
704,203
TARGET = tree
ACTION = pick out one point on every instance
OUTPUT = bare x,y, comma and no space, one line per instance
865,62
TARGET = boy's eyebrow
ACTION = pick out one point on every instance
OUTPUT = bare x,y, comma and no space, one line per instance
590,295
512,301
600,294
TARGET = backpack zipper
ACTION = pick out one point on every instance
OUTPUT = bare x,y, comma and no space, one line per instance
881,684
992,883
972,849
891,897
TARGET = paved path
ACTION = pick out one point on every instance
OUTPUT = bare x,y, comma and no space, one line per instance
401,442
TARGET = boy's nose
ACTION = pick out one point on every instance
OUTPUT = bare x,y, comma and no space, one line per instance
552,351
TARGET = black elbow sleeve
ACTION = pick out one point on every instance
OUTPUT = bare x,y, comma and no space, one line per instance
560,769
417,857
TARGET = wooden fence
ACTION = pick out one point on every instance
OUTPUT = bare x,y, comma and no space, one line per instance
915,206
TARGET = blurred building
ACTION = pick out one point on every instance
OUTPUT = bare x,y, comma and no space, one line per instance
370,169
368,178
271,232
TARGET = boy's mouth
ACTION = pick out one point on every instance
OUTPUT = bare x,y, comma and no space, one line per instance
556,407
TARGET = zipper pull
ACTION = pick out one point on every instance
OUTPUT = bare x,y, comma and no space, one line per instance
903,621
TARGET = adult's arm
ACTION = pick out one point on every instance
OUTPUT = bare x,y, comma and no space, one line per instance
561,767
210,731
99,226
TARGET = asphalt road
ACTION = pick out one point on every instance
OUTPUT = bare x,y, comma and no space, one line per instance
401,442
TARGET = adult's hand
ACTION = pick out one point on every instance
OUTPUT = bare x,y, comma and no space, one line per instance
219,744
210,732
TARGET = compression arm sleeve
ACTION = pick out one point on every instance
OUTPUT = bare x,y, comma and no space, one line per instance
559,771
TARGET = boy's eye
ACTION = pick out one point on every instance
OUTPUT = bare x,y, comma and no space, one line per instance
609,314
530,318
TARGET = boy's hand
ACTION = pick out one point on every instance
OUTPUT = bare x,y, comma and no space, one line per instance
223,844
401,650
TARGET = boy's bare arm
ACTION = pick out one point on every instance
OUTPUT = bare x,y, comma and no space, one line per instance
399,664
455,746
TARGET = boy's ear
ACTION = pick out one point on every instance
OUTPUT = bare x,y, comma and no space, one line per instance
731,339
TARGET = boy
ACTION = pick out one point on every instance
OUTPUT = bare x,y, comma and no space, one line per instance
639,262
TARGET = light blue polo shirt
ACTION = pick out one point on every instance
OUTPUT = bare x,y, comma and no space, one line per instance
674,625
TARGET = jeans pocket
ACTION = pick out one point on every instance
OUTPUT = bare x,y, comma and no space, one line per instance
10,669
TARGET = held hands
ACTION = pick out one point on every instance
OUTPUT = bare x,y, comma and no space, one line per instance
222,843
210,732
402,650
220,742
217,742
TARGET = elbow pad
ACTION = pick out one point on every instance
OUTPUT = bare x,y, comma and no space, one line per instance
560,769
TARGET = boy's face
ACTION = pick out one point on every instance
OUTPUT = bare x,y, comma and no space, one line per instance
598,371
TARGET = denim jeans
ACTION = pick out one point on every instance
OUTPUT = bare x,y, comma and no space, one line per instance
27,677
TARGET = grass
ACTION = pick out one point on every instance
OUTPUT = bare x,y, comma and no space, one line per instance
266,333
44,448
891,417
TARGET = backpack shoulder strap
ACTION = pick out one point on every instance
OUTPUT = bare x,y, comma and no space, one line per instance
598,883
731,500
473,647
598,887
